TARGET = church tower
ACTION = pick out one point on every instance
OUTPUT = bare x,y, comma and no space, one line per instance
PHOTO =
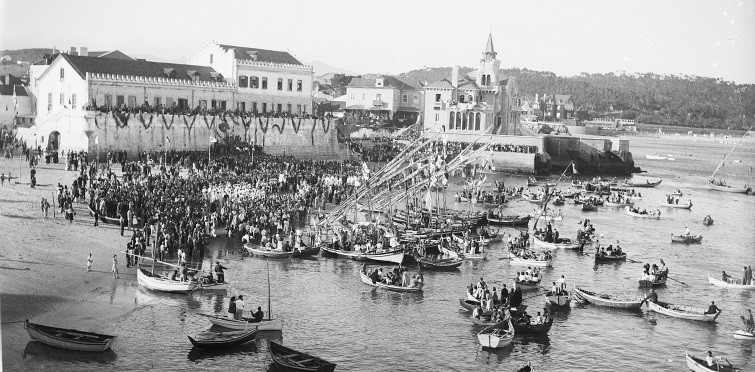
487,74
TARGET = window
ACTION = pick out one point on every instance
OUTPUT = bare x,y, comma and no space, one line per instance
352,96
290,85
280,84
131,101
157,101
463,121
254,107
378,97
405,98
243,82
214,103
363,96
437,98
477,122
119,100
169,102
305,109
264,106
49,102
183,103
62,99
451,119
222,105
298,85
289,108
108,100
280,107
437,117
298,109
62,74
241,106
254,82
73,100
211,58
202,103
264,83
415,98
458,121
461,98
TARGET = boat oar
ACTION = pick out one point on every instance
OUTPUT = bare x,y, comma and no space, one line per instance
679,281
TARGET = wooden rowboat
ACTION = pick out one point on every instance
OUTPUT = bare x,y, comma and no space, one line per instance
618,205
527,285
686,239
440,265
508,220
721,283
610,258
651,214
527,328
516,260
483,321
222,340
257,250
563,243
677,206
607,300
700,365
558,300
647,183
69,339
742,335
588,207
682,312
246,323
470,305
653,283
396,288
163,284
394,256
287,359
735,190
495,338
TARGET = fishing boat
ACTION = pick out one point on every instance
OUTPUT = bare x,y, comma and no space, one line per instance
394,256
736,285
222,340
257,250
563,243
68,339
682,312
608,258
563,299
508,220
652,214
246,323
677,206
720,183
532,199
700,365
495,337
686,239
527,328
162,284
743,335
396,288
647,183
440,265
287,359
607,300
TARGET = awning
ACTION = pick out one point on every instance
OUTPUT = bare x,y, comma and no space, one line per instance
407,109
378,109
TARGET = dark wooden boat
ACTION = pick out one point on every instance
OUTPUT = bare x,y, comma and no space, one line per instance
69,339
440,265
290,360
508,220
610,258
306,251
527,328
222,340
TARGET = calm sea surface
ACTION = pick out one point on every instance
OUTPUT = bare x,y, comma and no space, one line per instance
328,312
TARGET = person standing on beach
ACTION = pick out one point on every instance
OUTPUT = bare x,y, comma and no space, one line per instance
89,262
115,267
2,179
123,224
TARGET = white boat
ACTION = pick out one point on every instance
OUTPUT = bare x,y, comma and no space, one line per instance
257,250
726,188
230,323
607,300
647,183
394,256
720,184
516,260
699,365
396,288
677,206
721,283
655,157
564,244
652,214
742,335
682,312
163,284
495,338
618,205
558,300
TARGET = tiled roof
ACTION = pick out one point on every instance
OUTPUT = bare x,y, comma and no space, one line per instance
109,54
137,68
262,55
7,90
388,82
463,83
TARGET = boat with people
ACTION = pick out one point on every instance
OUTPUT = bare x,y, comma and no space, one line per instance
686,239
682,312
287,359
68,339
449,264
735,284
562,243
588,206
707,220
161,283
532,260
635,212
469,304
268,252
372,278
610,257
560,299
744,335
701,365
391,255
512,220
607,300
654,278
646,183
245,323
524,326
688,205
222,340
495,337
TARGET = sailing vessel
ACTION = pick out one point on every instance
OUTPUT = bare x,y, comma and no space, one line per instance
719,184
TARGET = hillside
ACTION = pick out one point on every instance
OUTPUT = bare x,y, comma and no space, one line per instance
24,55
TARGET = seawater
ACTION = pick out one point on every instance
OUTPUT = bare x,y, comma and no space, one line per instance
329,313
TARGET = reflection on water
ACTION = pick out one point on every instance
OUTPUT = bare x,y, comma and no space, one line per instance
36,351
198,355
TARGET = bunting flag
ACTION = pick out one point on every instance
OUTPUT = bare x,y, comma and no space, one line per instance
97,140
213,140
167,140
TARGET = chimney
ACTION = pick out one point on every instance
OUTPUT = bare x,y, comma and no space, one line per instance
455,76
73,51
83,51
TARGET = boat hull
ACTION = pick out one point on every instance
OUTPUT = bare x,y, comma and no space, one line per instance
641,184
230,323
509,221
607,301
395,256
676,206
558,300
216,343
449,265
523,262
533,329
285,360
682,312
728,189
721,283
568,244
162,284
650,215
742,335
608,258
686,239
488,339
366,280
256,250
55,337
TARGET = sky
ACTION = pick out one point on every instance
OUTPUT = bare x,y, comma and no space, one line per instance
712,38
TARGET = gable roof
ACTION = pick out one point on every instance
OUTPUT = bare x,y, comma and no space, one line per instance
115,66
262,55
7,90
109,54
464,83
388,82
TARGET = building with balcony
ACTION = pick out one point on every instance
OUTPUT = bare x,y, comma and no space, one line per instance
383,98
481,102
267,81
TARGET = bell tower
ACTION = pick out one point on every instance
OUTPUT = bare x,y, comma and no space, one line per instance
487,74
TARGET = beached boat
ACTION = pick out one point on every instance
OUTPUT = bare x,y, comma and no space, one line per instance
527,328
682,312
652,214
743,335
608,258
246,323
394,256
495,338
257,250
607,300
222,340
508,220
647,183
686,238
286,359
563,243
736,285
677,206
563,299
440,265
396,288
700,365
163,284
69,339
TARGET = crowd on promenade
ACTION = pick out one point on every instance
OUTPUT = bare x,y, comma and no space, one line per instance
146,108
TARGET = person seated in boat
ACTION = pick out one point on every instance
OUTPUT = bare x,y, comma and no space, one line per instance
712,361
259,314
477,312
712,309
725,277
554,289
746,323
538,319
600,252
173,275
652,296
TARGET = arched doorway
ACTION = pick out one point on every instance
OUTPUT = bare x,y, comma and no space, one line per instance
53,141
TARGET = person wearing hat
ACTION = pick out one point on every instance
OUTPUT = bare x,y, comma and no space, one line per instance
219,272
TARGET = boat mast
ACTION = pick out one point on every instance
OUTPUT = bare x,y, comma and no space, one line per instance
727,155
268,292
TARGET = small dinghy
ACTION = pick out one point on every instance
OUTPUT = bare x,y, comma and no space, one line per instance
68,339
742,335
287,359
222,340
495,337
700,365
686,239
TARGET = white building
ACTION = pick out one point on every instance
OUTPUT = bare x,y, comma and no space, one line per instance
384,96
267,80
484,102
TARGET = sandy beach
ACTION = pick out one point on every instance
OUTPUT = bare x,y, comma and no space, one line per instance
43,273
